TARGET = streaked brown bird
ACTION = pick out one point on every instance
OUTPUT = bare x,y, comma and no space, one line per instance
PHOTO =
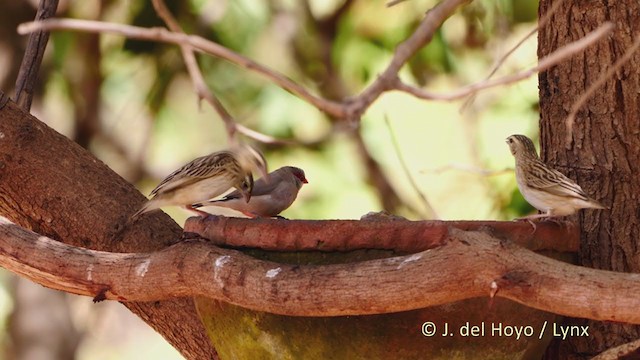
546,189
269,198
206,178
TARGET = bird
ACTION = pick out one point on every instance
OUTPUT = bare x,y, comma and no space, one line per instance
269,198
207,177
546,189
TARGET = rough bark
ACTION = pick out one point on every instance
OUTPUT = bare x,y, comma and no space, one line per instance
377,232
488,266
603,156
54,187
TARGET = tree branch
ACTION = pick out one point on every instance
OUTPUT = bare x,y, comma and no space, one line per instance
351,108
544,64
199,84
405,50
28,75
202,44
346,235
348,109
542,21
487,266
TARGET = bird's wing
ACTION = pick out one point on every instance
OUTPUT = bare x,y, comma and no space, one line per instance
261,187
554,182
198,169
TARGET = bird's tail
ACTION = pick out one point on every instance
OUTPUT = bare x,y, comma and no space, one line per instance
205,203
148,206
594,204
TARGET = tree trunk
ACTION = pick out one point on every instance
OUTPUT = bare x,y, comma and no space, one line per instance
603,154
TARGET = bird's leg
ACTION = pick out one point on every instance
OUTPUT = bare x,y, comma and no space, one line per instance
199,212
530,218
250,214
535,216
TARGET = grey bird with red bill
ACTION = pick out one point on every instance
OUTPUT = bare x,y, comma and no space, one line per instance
269,197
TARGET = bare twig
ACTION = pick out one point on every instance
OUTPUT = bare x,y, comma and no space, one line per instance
200,85
544,63
595,86
202,44
32,59
541,23
348,109
405,50
394,2
469,169
431,213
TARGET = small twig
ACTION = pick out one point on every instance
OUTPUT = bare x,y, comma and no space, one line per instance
404,51
199,84
544,64
263,138
595,86
394,2
163,35
28,74
541,23
4,99
431,213
468,168
351,108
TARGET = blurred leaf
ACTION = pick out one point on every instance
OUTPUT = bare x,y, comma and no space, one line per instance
525,11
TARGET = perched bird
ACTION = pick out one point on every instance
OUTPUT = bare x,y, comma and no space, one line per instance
208,177
544,188
268,198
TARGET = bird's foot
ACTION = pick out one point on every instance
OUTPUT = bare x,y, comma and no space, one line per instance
200,213
250,215
530,218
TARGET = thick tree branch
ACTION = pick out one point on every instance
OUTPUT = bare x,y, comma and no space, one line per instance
487,266
53,186
398,235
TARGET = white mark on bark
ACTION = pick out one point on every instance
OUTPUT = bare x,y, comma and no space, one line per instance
222,260
493,289
412,258
90,272
273,272
219,263
142,269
